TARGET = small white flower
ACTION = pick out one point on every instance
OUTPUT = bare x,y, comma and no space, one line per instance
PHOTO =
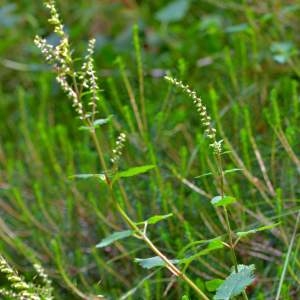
118,150
210,131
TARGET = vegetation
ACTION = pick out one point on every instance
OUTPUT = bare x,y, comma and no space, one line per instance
118,181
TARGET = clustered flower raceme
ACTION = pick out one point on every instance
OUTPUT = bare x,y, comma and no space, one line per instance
46,49
54,20
75,85
89,77
61,59
48,289
117,151
15,280
19,289
210,131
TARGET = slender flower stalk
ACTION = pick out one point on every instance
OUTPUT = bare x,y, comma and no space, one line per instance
217,147
205,118
89,78
75,85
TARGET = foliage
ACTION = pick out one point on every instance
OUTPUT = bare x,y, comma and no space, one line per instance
235,283
242,57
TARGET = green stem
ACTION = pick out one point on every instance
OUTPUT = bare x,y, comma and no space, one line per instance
99,150
170,266
229,232
228,227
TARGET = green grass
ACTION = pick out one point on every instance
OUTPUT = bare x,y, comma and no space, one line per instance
243,61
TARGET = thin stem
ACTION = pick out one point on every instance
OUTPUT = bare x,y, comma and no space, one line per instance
99,149
288,256
90,124
228,227
231,244
170,266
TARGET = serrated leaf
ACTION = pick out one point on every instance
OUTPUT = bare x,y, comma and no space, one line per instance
135,171
87,176
119,235
158,218
174,11
254,230
213,285
235,283
152,262
222,201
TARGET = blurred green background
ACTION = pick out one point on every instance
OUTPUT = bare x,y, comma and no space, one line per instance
243,59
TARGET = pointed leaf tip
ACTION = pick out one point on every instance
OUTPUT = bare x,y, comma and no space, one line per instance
152,262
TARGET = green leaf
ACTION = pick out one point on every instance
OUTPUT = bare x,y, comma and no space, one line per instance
197,243
97,123
119,235
152,262
100,122
283,51
155,219
245,233
235,283
173,12
134,171
213,285
185,297
214,244
87,176
222,201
